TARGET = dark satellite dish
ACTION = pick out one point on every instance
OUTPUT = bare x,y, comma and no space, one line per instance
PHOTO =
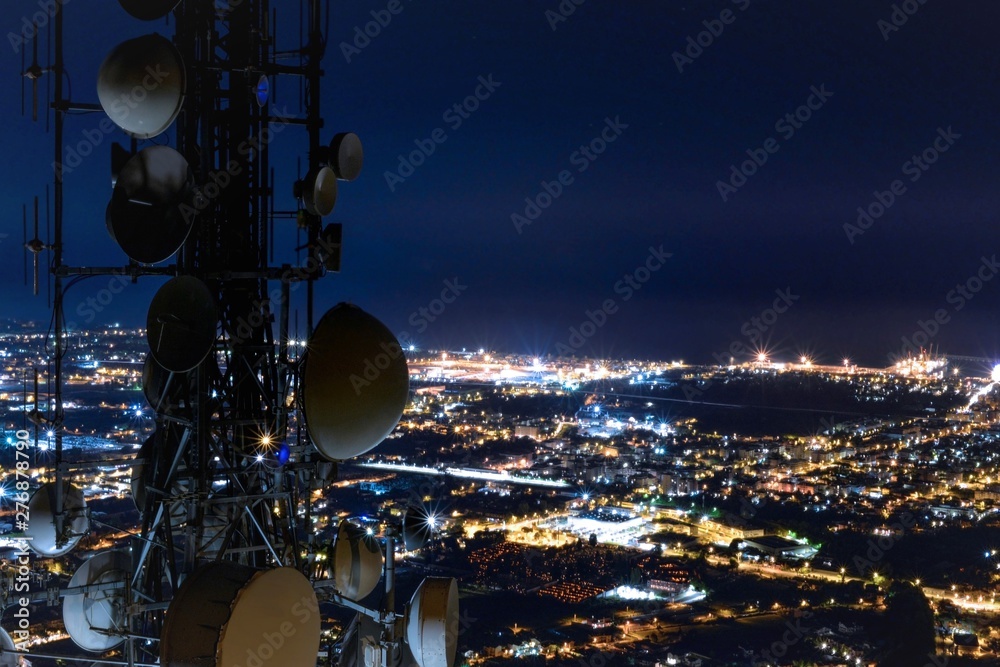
163,390
141,468
418,526
347,156
224,609
432,622
119,158
319,191
147,215
357,562
96,619
41,529
141,85
8,655
163,442
149,10
355,383
181,324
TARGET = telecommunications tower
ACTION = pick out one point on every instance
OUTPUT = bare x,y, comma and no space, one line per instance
249,428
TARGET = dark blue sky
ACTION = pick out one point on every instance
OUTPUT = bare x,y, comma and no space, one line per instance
655,184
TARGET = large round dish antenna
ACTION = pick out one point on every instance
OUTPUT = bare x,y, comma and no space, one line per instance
163,390
357,562
141,85
146,216
164,439
95,618
418,526
355,383
149,10
181,323
8,655
224,611
432,622
319,191
141,468
347,156
41,528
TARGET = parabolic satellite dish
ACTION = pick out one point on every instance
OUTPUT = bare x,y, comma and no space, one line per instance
41,528
8,657
320,191
355,383
141,85
146,216
181,323
162,389
417,528
225,612
432,622
347,156
357,562
96,619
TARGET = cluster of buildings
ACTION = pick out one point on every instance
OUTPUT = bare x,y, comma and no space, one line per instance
591,487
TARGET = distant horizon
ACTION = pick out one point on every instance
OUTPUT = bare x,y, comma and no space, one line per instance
965,362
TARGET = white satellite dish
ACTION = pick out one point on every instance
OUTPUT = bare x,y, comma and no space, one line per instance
355,383
96,619
225,611
8,652
41,528
347,156
319,191
357,562
141,85
432,622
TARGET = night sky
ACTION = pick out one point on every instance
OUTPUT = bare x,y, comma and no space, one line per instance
679,116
